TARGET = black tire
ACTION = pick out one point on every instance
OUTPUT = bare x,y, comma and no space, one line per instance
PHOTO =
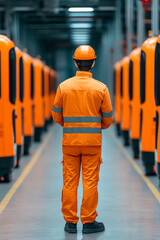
118,129
125,135
17,165
27,144
26,153
135,148
149,171
7,177
19,152
136,155
38,134
148,160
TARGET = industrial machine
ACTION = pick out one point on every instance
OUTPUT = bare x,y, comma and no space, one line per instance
38,99
117,97
125,110
28,102
47,90
148,108
134,96
19,110
7,108
157,101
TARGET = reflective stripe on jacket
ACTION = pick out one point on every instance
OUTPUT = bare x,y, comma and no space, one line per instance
83,107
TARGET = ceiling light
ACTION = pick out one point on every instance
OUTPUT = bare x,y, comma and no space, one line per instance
81,9
80,34
81,40
80,37
80,25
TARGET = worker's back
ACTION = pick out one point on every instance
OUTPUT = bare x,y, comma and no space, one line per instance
82,96
80,99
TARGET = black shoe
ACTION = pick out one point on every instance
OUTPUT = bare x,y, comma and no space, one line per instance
70,227
93,227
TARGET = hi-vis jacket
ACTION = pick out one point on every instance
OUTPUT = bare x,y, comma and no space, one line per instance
83,107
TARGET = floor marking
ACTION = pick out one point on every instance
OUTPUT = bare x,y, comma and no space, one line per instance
153,189
24,174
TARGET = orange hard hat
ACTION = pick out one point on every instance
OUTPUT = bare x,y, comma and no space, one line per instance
84,52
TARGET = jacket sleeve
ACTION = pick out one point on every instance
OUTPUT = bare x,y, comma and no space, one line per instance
57,109
106,110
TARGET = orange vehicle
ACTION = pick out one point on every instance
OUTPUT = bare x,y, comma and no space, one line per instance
125,110
134,96
7,108
52,84
19,104
28,102
38,99
117,97
157,101
148,109
47,110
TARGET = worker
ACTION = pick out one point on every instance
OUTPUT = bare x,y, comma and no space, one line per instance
82,106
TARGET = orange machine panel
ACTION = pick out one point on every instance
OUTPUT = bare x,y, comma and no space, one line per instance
117,96
7,107
134,96
19,104
47,111
157,101
148,109
28,102
38,99
125,111
52,89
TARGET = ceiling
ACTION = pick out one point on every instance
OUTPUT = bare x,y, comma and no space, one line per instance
51,21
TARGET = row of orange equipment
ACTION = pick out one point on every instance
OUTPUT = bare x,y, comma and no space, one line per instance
27,90
137,102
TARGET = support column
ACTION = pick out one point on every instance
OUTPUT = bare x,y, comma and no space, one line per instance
129,24
24,36
16,29
118,33
140,23
155,18
8,22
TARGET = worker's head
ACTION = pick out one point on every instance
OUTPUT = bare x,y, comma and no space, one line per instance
84,57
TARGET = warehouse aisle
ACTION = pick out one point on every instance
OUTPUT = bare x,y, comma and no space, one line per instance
126,205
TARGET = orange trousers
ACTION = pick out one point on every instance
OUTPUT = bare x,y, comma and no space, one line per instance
90,159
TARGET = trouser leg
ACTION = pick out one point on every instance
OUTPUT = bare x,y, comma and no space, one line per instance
71,174
91,159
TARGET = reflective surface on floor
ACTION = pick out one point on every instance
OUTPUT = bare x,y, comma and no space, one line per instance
126,205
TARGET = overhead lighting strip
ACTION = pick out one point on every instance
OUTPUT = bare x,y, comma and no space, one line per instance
80,25
81,9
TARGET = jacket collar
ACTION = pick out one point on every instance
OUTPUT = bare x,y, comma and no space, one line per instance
84,73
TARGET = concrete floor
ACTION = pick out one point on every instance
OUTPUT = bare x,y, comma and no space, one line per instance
127,207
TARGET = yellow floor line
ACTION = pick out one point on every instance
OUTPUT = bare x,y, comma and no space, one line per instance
24,174
153,189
